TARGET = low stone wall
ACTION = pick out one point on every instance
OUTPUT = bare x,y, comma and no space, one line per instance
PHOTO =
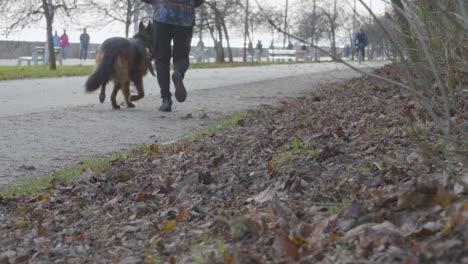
15,49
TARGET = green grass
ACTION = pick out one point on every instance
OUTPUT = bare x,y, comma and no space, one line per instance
41,184
223,124
43,71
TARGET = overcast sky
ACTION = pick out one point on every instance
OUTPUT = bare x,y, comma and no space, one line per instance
38,33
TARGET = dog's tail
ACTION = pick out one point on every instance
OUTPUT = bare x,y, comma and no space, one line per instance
104,70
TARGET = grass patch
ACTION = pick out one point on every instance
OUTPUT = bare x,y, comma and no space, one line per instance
43,71
298,150
223,124
42,184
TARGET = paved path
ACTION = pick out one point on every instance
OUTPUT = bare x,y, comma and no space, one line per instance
47,124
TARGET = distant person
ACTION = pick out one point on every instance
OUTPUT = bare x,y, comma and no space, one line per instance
84,44
64,44
56,39
200,51
250,50
360,41
259,51
346,50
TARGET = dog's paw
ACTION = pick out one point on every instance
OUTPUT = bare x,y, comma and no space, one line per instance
116,107
102,97
130,105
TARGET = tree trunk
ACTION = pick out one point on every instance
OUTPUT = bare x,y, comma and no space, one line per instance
231,59
411,47
221,56
50,41
285,24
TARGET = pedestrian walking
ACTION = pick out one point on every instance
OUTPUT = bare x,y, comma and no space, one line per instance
259,51
64,44
56,39
360,41
84,44
173,21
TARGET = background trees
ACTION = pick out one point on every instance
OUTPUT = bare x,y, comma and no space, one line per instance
126,12
23,13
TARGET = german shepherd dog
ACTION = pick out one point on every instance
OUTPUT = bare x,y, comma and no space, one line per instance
123,60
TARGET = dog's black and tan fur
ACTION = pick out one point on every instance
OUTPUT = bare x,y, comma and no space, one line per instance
122,60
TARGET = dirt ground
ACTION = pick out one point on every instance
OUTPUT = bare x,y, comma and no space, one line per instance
50,124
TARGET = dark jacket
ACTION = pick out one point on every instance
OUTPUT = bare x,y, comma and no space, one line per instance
84,39
360,40
175,12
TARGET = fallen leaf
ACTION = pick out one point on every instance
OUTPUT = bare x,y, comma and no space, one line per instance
284,247
339,131
140,196
39,198
169,225
41,230
20,222
154,148
334,237
264,196
182,213
271,166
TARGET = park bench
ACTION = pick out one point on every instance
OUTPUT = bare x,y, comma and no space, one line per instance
301,55
38,56
282,55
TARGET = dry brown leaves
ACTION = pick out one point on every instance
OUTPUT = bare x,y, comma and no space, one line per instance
329,178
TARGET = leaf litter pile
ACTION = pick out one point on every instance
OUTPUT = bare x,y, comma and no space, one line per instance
334,177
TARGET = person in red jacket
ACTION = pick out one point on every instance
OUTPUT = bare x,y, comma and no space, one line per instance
64,44
173,21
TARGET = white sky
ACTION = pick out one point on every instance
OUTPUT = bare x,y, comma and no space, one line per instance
98,35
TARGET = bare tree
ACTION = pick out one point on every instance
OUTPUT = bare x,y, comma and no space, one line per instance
331,14
310,23
217,17
411,47
22,14
127,12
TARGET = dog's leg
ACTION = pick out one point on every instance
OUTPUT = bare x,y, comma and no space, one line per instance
102,95
114,94
126,94
140,89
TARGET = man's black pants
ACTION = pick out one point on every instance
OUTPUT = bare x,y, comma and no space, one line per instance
362,51
182,38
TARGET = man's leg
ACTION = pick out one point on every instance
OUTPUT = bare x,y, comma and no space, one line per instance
162,36
85,55
181,52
